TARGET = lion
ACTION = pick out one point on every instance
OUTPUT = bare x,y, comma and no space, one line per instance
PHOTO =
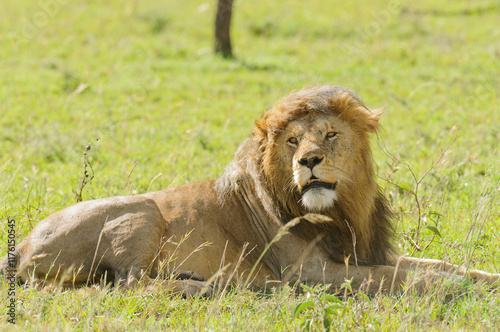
299,203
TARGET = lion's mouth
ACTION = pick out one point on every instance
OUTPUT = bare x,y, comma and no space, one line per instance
314,182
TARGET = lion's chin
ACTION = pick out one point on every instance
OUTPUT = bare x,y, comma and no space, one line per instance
319,199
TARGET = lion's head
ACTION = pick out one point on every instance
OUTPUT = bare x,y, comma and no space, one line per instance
310,152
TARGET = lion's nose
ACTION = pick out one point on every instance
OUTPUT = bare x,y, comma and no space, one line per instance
310,162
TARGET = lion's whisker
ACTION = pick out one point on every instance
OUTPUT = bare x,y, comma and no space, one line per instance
290,184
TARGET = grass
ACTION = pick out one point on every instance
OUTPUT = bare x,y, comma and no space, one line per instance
141,76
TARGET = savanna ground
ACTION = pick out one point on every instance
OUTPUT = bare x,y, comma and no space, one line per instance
141,77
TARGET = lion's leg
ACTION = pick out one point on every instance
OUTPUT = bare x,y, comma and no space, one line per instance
413,263
190,284
128,278
191,288
385,279
185,288
186,283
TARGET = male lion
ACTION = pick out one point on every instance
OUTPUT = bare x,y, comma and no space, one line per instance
307,163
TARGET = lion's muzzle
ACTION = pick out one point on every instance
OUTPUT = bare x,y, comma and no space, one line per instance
318,184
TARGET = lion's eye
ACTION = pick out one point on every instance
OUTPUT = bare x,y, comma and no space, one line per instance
293,140
331,134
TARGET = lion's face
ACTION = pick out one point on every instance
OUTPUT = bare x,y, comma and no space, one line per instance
315,149
319,151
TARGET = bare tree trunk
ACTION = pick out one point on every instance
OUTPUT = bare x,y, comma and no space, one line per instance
222,24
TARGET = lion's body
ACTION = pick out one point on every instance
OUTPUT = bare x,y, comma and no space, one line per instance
139,233
310,153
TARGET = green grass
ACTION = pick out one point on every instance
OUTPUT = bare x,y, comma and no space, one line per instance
141,76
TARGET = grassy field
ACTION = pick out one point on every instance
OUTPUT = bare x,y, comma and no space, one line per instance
141,77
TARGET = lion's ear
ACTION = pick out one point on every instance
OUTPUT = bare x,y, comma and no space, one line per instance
260,129
372,124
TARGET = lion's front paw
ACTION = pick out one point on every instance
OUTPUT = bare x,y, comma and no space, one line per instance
192,288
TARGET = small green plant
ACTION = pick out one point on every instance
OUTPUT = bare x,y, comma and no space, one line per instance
88,173
421,205
319,308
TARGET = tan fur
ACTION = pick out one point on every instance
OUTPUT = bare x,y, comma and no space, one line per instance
217,230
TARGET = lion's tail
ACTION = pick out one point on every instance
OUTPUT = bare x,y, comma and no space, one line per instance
4,263
9,264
